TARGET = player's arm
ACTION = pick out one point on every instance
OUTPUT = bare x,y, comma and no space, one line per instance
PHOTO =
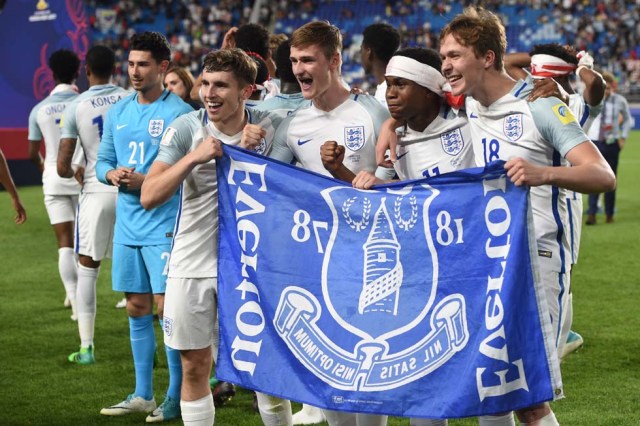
65,155
35,139
7,182
515,64
34,154
387,142
594,86
279,148
589,172
163,179
548,88
107,170
594,83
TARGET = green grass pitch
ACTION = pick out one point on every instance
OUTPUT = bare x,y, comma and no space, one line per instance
39,387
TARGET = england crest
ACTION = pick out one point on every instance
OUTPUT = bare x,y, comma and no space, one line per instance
513,126
452,142
354,137
156,127
384,298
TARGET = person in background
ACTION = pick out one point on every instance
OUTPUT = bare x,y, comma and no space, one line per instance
609,133
60,194
180,81
379,43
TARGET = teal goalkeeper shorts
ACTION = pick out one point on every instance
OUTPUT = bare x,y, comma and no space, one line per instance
140,269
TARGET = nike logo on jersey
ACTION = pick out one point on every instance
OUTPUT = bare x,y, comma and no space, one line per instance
402,155
472,115
300,143
120,126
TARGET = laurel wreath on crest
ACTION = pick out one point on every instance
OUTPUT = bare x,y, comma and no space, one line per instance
406,224
357,225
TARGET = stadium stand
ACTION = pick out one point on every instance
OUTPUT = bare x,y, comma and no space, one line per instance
608,30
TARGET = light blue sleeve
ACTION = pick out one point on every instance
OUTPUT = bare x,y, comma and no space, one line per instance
557,124
34,130
69,124
177,140
279,148
107,158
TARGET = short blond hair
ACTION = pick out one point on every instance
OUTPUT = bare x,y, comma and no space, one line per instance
320,33
481,30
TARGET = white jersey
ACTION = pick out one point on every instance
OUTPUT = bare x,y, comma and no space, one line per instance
541,132
353,124
584,113
381,93
195,242
282,104
44,123
444,146
83,120
586,116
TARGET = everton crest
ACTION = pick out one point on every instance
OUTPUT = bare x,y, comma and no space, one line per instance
513,126
380,298
354,137
452,142
156,127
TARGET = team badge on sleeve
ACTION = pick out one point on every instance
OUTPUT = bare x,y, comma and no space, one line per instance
513,126
354,137
166,139
156,127
452,142
563,113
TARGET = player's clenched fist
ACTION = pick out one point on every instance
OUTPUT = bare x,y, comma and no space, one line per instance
209,149
252,136
522,172
332,155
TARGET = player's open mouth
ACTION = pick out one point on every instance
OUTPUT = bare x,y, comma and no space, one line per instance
452,79
213,106
305,82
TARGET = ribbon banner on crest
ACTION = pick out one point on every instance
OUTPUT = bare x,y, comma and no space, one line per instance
413,299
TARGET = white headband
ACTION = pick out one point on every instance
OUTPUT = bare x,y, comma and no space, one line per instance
550,66
421,74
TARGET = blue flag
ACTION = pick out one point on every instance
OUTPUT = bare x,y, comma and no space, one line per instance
414,299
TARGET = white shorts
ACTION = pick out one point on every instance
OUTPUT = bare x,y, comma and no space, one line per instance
61,208
190,312
95,223
575,207
556,286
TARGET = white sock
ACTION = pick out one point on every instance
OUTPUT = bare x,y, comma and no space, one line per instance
504,420
274,411
86,303
428,422
548,420
200,412
68,269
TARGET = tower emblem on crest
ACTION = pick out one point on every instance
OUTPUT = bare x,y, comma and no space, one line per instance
375,295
